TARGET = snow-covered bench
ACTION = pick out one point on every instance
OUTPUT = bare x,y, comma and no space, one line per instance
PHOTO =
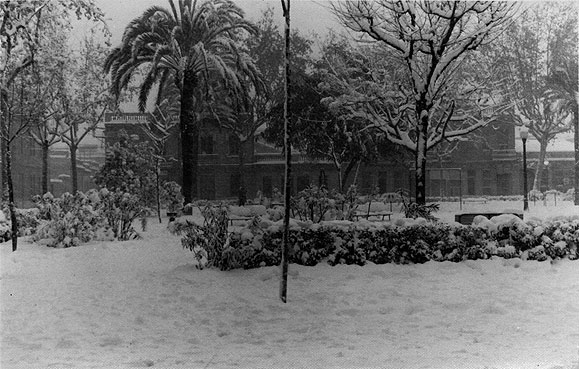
476,200
373,209
467,218
245,213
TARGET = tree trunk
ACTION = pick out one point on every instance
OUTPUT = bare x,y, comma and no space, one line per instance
73,168
45,149
189,138
3,144
576,166
287,144
11,207
158,187
420,159
539,169
242,195
347,172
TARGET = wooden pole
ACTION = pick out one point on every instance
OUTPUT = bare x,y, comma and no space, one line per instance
285,4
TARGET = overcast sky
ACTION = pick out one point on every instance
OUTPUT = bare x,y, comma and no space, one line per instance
306,15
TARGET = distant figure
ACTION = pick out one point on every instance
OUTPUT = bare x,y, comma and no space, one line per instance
258,198
242,196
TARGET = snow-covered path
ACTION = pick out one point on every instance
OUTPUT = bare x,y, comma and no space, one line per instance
143,304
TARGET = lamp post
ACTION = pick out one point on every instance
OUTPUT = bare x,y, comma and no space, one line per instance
546,163
524,132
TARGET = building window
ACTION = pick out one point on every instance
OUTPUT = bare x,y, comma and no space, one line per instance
487,183
471,180
206,145
504,184
234,145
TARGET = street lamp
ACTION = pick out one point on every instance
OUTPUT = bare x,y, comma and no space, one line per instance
546,163
524,132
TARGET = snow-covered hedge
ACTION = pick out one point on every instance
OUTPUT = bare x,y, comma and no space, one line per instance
412,241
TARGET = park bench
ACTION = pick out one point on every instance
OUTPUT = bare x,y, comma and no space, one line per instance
237,218
375,210
245,213
467,218
377,214
475,200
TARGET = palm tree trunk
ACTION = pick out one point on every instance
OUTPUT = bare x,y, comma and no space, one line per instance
189,138
158,187
242,197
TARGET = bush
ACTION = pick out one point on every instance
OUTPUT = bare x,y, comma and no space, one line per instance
74,219
171,196
121,209
207,240
69,220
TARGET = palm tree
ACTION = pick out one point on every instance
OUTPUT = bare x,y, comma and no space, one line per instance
195,44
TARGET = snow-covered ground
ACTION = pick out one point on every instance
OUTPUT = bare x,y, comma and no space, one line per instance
143,304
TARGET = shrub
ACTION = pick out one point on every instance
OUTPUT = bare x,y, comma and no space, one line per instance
74,219
535,195
414,210
207,239
121,209
129,175
67,221
171,196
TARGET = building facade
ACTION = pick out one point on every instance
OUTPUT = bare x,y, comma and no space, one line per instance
27,168
489,165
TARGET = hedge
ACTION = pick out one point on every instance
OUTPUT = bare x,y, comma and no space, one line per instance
360,243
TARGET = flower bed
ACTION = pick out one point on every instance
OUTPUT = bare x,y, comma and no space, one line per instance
412,241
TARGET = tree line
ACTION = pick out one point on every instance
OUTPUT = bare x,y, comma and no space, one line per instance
409,77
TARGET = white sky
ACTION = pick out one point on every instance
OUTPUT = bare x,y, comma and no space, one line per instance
306,15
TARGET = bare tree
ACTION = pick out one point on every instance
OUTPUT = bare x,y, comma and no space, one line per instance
544,36
563,83
84,98
430,40
22,28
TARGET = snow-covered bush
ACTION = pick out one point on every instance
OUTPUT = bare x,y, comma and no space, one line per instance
171,196
535,195
74,219
28,220
206,241
121,209
69,220
569,195
5,232
312,204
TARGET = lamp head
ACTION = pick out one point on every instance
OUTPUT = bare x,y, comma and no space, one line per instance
524,132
